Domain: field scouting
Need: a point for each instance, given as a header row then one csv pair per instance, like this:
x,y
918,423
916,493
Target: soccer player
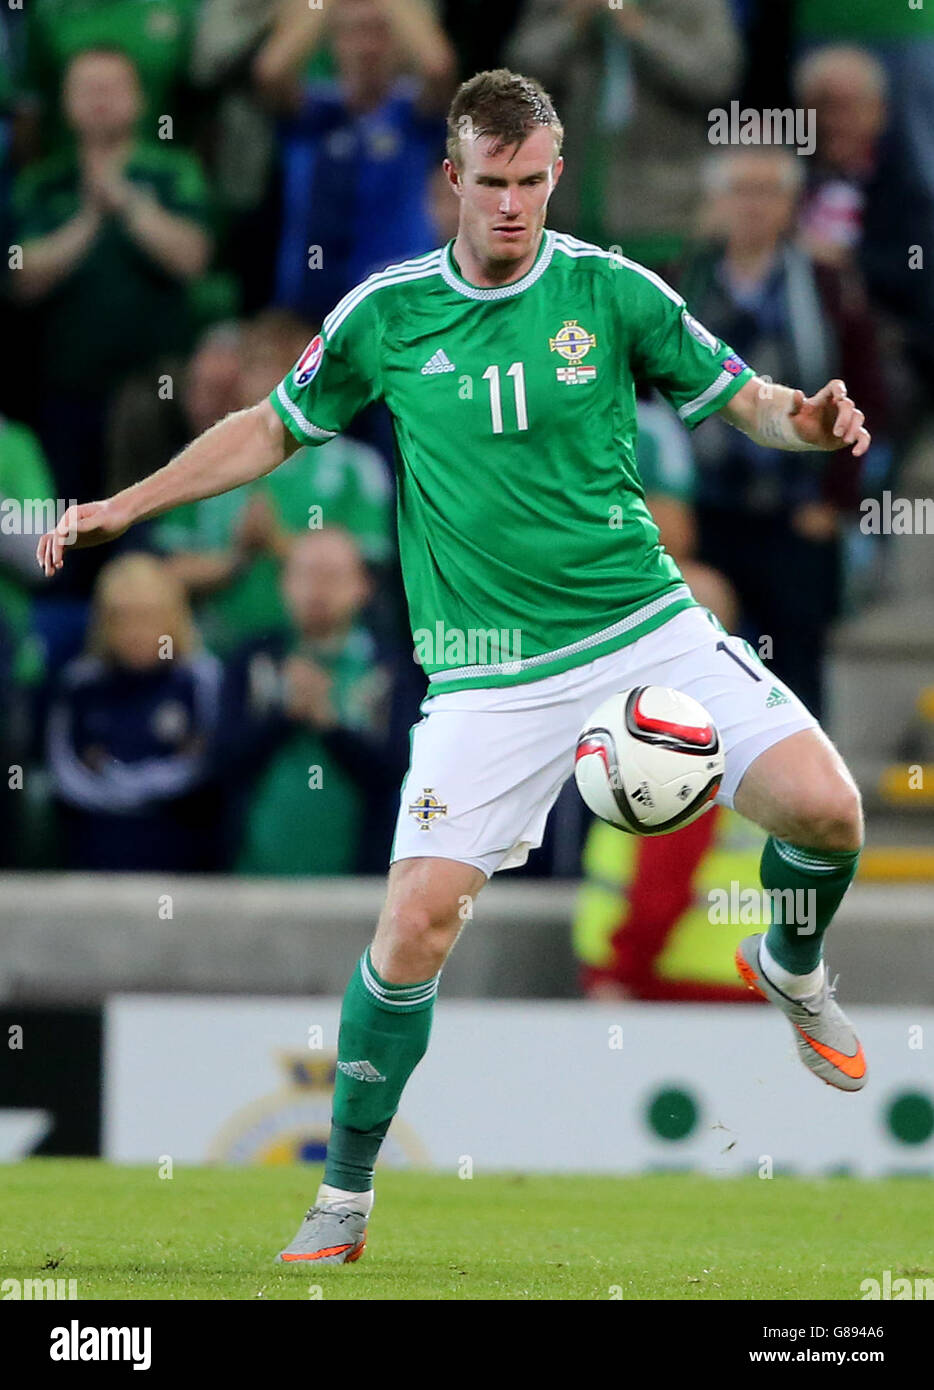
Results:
x,y
536,588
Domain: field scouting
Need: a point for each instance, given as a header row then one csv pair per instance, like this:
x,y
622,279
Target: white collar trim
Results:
x,y
452,278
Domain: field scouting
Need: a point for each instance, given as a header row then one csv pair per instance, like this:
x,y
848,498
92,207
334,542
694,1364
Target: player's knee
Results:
x,y
413,939
832,816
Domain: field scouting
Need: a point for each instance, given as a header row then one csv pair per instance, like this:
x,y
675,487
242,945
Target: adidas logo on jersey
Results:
x,y
440,362
776,697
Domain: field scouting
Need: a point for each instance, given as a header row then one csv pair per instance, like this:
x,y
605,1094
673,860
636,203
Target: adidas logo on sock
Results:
x,y
360,1071
776,697
439,362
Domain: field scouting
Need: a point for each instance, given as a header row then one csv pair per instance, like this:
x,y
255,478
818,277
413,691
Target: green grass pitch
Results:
x,y
211,1233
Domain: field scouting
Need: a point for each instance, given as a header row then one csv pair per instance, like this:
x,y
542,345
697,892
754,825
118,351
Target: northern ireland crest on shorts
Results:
x,y
426,808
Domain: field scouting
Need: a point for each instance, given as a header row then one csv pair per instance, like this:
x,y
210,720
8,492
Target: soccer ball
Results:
x,y
649,760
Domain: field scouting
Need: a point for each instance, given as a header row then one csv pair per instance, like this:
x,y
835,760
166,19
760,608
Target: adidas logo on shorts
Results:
x,y
776,697
440,362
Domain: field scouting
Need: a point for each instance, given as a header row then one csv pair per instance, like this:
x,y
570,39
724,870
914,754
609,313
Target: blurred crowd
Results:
x,y
186,188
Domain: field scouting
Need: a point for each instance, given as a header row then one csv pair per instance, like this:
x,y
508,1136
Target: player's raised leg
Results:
x,y
384,1030
800,791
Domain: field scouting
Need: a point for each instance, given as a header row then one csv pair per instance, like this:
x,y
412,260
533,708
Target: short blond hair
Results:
x,y
504,105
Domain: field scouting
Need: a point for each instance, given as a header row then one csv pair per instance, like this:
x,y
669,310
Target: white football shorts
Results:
x,y
487,764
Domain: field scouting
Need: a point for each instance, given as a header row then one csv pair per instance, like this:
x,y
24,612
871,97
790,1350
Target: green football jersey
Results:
x,y
525,541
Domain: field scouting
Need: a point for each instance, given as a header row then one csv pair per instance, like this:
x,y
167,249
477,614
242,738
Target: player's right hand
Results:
x,y
83,525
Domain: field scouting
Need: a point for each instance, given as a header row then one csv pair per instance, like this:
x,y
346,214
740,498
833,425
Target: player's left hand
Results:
x,y
80,525
829,420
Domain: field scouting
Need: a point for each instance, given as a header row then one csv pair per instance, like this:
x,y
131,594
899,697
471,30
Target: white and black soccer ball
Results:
x,y
649,760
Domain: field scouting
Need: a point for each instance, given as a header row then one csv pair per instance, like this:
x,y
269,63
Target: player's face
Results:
x,y
504,195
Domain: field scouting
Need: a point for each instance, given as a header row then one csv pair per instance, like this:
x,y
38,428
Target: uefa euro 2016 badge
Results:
x,y
573,343
309,362
426,808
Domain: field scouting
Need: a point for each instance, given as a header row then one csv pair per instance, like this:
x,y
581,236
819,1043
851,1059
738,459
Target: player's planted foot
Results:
x,y
825,1038
329,1236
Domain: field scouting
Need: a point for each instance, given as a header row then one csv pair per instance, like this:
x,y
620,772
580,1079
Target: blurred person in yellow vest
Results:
x,y
649,917
648,921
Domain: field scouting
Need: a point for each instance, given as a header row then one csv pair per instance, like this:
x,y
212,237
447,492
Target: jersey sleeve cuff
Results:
x,y
723,389
295,421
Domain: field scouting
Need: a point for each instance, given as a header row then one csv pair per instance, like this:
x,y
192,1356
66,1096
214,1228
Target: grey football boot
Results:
x,y
825,1038
328,1236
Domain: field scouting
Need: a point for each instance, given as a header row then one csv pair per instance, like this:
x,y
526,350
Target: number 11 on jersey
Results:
x,y
517,372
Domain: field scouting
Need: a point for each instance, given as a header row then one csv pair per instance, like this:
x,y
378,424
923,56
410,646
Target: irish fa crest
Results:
x,y
426,808
573,344
291,1125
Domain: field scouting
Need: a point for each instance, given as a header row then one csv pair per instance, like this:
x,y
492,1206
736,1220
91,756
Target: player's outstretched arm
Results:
x,y
238,449
779,417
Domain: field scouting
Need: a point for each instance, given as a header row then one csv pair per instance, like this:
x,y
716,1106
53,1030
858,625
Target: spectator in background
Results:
x,y
635,84
25,493
319,717
112,232
154,34
770,521
241,137
900,198
846,89
18,380
295,50
228,551
642,925
359,151
148,426
131,729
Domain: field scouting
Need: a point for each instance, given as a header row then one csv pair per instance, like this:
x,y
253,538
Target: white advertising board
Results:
x,y
536,1087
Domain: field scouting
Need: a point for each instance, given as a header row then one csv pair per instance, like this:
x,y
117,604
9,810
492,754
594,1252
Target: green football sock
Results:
x,y
383,1036
817,879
